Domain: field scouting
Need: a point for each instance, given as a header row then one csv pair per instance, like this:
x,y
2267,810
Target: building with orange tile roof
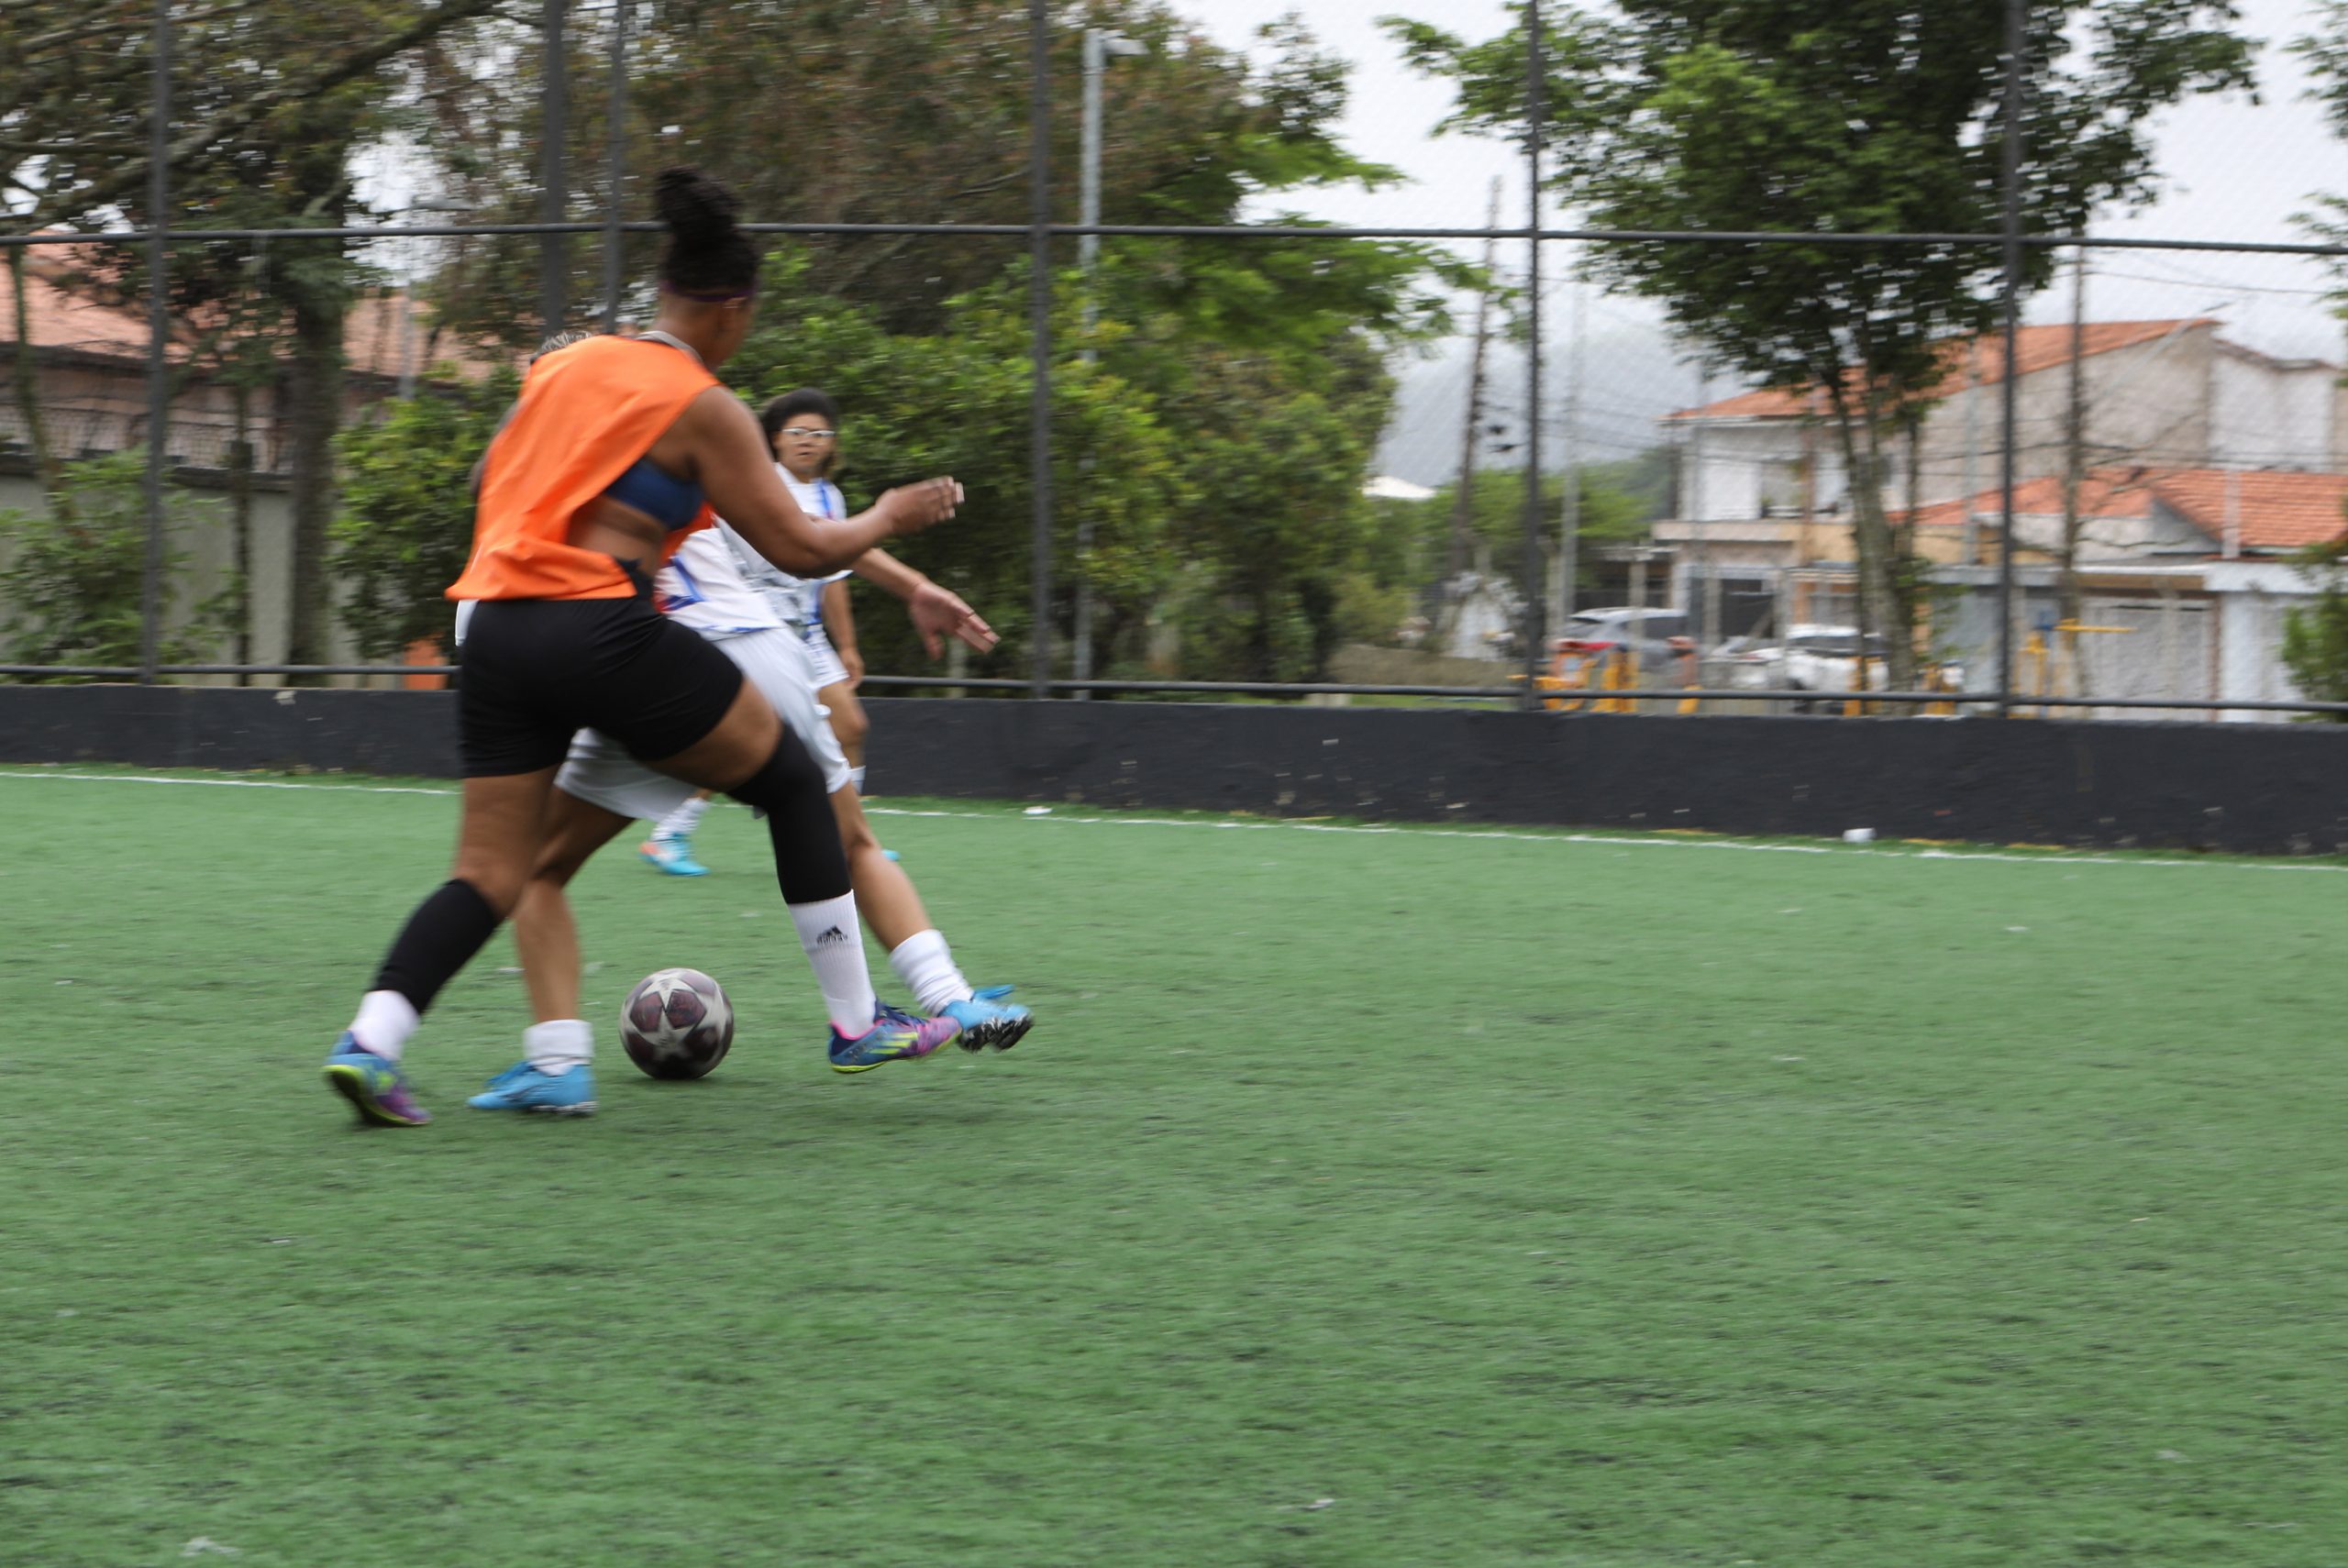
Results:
x,y
89,341
2207,463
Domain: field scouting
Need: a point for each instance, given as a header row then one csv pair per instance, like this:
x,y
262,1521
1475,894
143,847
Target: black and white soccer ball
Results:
x,y
676,1024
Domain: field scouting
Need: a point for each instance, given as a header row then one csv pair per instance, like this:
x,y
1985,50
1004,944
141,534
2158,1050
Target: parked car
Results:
x,y
1658,637
1812,658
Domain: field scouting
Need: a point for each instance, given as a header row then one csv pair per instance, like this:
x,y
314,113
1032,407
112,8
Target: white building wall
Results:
x,y
2254,600
2148,404
206,545
1730,472
2271,416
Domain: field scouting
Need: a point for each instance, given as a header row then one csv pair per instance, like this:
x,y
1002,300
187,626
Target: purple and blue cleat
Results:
x,y
373,1084
896,1035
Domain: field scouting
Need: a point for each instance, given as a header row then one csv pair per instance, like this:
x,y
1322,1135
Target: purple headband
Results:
x,y
709,296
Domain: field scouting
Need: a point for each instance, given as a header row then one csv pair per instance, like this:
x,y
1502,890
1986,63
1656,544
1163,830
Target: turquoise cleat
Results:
x,y
523,1087
672,855
896,1035
376,1087
987,1020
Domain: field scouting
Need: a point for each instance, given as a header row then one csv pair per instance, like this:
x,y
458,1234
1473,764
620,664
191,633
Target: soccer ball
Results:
x,y
677,1024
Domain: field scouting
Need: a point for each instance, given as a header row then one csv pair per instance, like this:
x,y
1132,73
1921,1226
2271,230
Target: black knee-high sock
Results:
x,y
439,939
808,859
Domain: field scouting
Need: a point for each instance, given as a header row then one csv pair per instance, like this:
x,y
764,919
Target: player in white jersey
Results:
x,y
802,430
601,789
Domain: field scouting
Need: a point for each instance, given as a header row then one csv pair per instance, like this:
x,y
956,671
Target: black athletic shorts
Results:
x,y
536,671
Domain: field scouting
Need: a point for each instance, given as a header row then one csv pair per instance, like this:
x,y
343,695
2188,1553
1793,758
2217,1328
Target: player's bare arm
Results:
x,y
729,452
937,613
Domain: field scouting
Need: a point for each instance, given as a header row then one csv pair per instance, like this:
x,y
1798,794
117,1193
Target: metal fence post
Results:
x,y
1039,333
158,321
616,165
2017,44
1535,616
555,197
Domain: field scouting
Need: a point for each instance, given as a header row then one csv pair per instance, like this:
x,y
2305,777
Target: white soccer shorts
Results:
x,y
600,773
823,659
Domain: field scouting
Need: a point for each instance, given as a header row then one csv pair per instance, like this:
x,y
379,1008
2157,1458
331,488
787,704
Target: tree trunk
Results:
x,y
2074,475
1908,588
1471,441
240,519
314,391
29,400
1860,431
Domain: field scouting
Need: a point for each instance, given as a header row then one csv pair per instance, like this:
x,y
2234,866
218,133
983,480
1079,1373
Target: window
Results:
x,y
1780,486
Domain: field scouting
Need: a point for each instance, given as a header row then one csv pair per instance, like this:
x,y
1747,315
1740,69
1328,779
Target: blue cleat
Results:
x,y
523,1087
672,855
896,1035
891,855
376,1087
987,1020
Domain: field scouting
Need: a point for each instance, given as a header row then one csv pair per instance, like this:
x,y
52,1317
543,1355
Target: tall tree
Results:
x,y
837,112
1852,115
832,111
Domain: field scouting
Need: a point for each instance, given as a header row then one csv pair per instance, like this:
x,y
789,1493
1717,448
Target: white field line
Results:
x,y
224,783
1224,824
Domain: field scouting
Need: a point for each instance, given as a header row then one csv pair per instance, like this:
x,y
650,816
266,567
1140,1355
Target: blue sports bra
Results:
x,y
657,493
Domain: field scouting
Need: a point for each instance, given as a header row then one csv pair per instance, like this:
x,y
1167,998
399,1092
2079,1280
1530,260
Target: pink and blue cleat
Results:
x,y
896,1035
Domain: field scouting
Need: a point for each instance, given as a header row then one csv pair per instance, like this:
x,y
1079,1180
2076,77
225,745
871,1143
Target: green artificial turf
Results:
x,y
1360,1198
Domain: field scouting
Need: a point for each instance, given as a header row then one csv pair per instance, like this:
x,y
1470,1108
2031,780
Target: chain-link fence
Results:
x,y
1240,415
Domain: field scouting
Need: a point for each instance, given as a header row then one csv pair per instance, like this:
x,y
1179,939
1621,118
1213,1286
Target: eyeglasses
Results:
x,y
808,435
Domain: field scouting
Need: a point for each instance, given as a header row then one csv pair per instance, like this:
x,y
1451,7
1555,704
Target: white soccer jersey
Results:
x,y
704,587
798,600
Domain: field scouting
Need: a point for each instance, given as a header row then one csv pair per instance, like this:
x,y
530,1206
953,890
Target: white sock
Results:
x,y
833,945
385,1021
856,777
680,822
925,966
558,1045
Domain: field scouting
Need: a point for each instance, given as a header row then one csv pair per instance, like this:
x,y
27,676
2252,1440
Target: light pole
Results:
x,y
1100,46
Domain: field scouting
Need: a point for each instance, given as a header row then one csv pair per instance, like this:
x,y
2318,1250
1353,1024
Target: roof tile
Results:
x,y
2035,348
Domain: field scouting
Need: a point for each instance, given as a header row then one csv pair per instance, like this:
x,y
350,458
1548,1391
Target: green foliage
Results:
x,y
1246,467
1277,455
957,403
837,112
2315,637
1613,510
72,584
406,522
1226,418
2325,50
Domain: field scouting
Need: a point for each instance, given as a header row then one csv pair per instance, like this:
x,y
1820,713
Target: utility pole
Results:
x,y
2074,446
1472,433
1567,575
554,250
1972,445
1100,46
2010,183
1709,627
615,166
